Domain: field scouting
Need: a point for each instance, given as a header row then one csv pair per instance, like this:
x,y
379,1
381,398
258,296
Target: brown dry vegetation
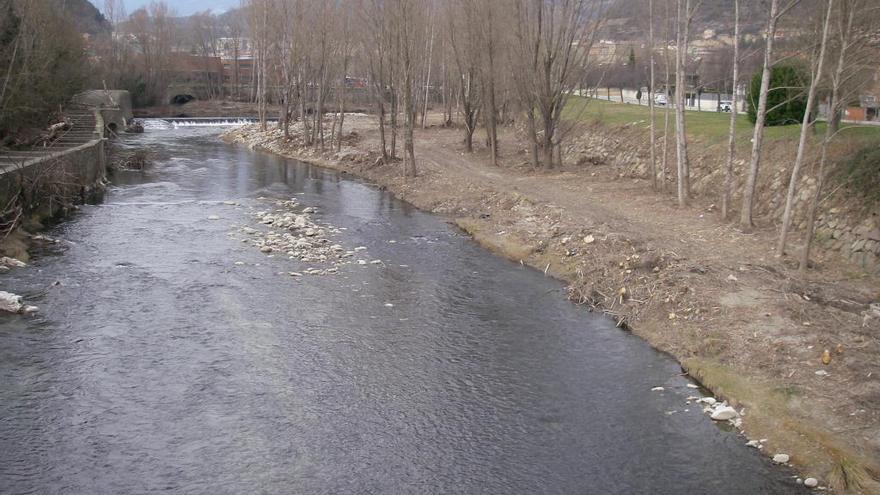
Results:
x,y
735,316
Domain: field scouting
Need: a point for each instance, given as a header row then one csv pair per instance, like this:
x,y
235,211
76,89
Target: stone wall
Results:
x,y
852,232
859,243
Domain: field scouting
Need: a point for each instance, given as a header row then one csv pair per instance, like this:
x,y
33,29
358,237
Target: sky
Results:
x,y
182,7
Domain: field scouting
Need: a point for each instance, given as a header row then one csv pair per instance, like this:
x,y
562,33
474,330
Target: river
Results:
x,y
172,357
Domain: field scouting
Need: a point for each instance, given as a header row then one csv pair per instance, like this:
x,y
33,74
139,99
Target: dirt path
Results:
x,y
717,299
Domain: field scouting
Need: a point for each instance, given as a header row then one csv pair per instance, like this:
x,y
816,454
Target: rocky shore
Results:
x,y
289,230
791,362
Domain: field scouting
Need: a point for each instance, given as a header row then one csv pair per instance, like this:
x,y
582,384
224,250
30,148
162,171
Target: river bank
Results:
x,y
185,329
716,299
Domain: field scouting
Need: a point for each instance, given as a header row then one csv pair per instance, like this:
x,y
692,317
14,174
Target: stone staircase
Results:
x,y
82,130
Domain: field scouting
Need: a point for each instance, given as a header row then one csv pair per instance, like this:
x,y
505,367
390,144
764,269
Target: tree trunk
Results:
x,y
834,107
731,141
533,135
805,129
681,153
651,94
381,106
746,222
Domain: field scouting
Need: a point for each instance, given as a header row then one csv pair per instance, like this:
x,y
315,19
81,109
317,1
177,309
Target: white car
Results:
x,y
725,106
660,99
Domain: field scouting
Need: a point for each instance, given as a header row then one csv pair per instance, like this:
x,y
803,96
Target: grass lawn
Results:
x,y
710,127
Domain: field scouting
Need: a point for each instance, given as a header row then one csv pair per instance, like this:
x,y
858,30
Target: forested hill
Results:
x,y
86,17
628,19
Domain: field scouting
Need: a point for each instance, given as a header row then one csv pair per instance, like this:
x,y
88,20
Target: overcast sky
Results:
x,y
182,7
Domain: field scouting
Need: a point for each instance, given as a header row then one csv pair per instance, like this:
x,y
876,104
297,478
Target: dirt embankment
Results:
x,y
736,317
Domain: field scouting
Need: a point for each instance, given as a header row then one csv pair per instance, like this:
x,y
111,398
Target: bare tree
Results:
x,y
344,54
553,41
684,15
380,50
651,94
490,37
852,38
407,18
773,17
204,26
464,41
261,37
807,124
664,166
42,62
734,110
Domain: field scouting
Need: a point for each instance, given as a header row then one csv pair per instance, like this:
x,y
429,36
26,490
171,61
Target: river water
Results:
x,y
159,364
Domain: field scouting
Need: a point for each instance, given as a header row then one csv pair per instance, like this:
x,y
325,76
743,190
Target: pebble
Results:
x,y
361,262
213,217
811,482
753,443
657,389
389,305
708,400
822,373
691,385
781,458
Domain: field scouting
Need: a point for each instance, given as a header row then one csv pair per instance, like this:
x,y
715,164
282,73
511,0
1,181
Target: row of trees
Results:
x,y
493,61
485,60
140,53
781,89
42,63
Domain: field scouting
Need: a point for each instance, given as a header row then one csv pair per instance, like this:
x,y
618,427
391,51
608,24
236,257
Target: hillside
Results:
x,y
86,16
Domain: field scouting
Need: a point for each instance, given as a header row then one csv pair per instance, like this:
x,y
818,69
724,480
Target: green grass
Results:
x,y
707,126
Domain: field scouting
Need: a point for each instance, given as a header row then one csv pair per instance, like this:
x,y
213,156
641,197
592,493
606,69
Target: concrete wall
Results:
x,y
49,186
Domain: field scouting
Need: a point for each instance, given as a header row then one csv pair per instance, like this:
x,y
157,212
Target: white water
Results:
x,y
212,123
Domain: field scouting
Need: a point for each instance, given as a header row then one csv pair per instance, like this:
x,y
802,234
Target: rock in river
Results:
x,y
724,413
10,302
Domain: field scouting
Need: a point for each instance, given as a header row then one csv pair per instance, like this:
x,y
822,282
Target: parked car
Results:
x,y
660,99
725,106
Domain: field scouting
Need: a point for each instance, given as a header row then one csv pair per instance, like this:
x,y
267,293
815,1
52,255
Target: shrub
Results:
x,y
786,100
860,174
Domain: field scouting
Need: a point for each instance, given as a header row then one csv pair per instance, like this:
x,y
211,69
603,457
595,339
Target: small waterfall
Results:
x,y
209,122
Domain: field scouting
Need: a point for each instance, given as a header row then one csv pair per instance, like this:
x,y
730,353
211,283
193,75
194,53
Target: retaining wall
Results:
x,y
48,186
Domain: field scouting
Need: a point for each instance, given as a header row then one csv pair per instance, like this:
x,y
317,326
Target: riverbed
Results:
x,y
169,355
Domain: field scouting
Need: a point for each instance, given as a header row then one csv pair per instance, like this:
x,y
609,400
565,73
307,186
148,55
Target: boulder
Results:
x,y
10,302
781,458
724,413
11,263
